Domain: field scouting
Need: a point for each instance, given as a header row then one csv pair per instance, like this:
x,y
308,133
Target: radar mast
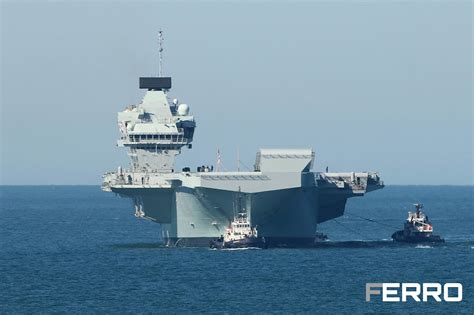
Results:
x,y
160,53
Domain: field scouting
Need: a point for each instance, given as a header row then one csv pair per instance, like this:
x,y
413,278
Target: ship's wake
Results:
x,y
239,249
423,246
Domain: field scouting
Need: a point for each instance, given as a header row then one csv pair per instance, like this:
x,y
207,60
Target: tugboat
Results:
x,y
240,233
320,237
417,229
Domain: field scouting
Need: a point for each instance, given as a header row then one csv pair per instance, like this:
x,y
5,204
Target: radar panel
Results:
x,y
155,83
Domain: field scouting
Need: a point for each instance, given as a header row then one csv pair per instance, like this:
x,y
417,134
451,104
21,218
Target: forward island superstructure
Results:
x,y
283,196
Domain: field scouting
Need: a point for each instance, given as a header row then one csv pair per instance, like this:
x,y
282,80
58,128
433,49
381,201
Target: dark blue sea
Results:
x,y
76,249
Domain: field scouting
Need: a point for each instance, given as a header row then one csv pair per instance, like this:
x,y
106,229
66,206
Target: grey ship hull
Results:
x,y
192,216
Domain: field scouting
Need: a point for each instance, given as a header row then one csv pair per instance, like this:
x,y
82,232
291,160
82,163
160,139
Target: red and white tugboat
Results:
x,y
417,229
239,234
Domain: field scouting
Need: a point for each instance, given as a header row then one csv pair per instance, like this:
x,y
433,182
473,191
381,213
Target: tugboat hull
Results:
x,y
242,243
400,236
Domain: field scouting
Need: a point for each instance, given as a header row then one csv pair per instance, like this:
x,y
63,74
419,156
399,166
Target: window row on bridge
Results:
x,y
137,138
156,148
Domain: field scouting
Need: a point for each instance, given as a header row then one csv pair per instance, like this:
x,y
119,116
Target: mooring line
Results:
x,y
352,230
372,220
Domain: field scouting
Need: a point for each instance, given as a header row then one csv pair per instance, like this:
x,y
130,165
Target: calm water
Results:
x,y
77,249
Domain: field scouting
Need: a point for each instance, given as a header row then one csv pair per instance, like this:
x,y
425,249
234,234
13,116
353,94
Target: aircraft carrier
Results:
x,y
285,199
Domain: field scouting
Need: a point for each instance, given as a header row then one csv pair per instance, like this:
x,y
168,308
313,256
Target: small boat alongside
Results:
x,y
239,234
320,237
417,229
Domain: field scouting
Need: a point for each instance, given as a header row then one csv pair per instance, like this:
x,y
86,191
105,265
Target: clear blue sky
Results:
x,y
383,86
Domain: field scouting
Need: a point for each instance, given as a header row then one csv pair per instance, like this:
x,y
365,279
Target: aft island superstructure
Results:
x,y
282,195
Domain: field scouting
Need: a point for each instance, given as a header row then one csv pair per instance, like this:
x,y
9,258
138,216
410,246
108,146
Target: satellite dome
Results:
x,y
183,109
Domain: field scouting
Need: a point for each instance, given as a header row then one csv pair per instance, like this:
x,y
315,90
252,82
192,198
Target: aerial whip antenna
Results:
x,y
238,159
160,43
219,161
